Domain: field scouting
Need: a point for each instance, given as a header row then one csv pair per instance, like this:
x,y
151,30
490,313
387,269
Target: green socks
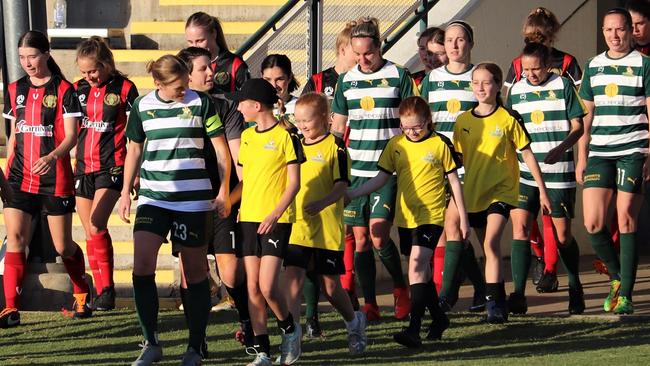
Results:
x,y
453,254
145,295
629,261
520,263
364,266
311,293
570,255
471,268
389,256
604,248
199,305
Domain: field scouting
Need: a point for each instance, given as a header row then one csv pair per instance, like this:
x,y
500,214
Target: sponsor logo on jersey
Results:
x,y
537,117
38,130
611,90
367,103
453,105
116,170
221,78
49,101
99,126
111,99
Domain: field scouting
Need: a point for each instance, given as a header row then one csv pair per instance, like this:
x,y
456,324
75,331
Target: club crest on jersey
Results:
x,y
186,114
111,99
270,145
318,157
20,100
498,132
37,130
221,78
628,71
49,101
551,95
383,83
429,158
82,99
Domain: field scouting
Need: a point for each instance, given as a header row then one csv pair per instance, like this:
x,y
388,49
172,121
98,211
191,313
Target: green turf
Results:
x,y
112,339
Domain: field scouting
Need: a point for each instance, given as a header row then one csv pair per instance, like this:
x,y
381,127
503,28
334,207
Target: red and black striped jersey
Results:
x,y
102,143
38,114
561,63
644,49
322,82
230,73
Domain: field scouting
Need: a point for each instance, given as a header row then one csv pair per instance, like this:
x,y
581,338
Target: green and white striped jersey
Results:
x,y
448,95
371,102
618,88
173,174
547,110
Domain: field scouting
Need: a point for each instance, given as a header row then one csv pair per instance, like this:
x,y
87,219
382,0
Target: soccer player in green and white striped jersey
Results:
x,y
448,91
167,131
367,99
552,112
613,153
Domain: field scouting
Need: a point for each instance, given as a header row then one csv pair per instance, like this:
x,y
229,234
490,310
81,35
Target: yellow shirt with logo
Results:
x,y
264,156
421,167
326,163
489,147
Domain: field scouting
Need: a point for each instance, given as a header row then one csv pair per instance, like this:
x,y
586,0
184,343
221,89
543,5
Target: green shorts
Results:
x,y
562,201
377,205
624,173
188,229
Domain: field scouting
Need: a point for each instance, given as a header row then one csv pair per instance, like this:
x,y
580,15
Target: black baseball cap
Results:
x,y
258,90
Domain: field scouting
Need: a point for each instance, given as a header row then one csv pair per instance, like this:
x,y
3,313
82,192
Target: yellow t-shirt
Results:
x,y
489,148
264,156
327,162
421,167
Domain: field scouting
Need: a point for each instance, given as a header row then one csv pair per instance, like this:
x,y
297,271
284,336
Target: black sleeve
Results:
x,y
456,156
297,147
131,96
232,119
241,75
309,87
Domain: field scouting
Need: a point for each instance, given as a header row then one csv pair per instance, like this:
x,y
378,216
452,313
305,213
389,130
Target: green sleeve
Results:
x,y
424,88
134,130
574,106
585,92
406,84
340,104
211,120
646,75
508,101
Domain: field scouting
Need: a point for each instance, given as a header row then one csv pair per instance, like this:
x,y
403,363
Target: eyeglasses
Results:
x,y
413,129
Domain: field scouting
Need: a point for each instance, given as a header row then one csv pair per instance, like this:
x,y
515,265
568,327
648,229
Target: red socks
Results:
x,y
92,263
616,234
13,277
103,248
76,268
550,245
347,280
536,241
438,266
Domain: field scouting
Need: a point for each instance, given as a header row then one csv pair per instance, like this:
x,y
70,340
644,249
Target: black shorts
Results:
x,y
188,229
479,219
227,234
325,262
273,244
424,236
35,204
85,185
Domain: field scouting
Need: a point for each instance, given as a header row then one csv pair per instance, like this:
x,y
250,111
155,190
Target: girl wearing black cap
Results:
x,y
270,158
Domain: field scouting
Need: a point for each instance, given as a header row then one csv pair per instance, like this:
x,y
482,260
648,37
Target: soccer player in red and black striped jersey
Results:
x,y
640,12
230,70
106,96
44,111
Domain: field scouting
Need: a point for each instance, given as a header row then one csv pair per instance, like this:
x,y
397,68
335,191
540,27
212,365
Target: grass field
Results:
x,y
112,339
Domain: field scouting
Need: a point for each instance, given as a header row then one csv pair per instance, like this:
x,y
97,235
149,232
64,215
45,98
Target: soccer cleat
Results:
x,y
402,303
245,334
576,300
371,311
437,328
517,303
81,307
9,317
538,269
357,339
191,358
106,299
548,283
204,352
408,339
600,267
495,313
290,347
226,303
150,353
261,359
354,300
444,304
624,306
612,298
478,303
313,328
